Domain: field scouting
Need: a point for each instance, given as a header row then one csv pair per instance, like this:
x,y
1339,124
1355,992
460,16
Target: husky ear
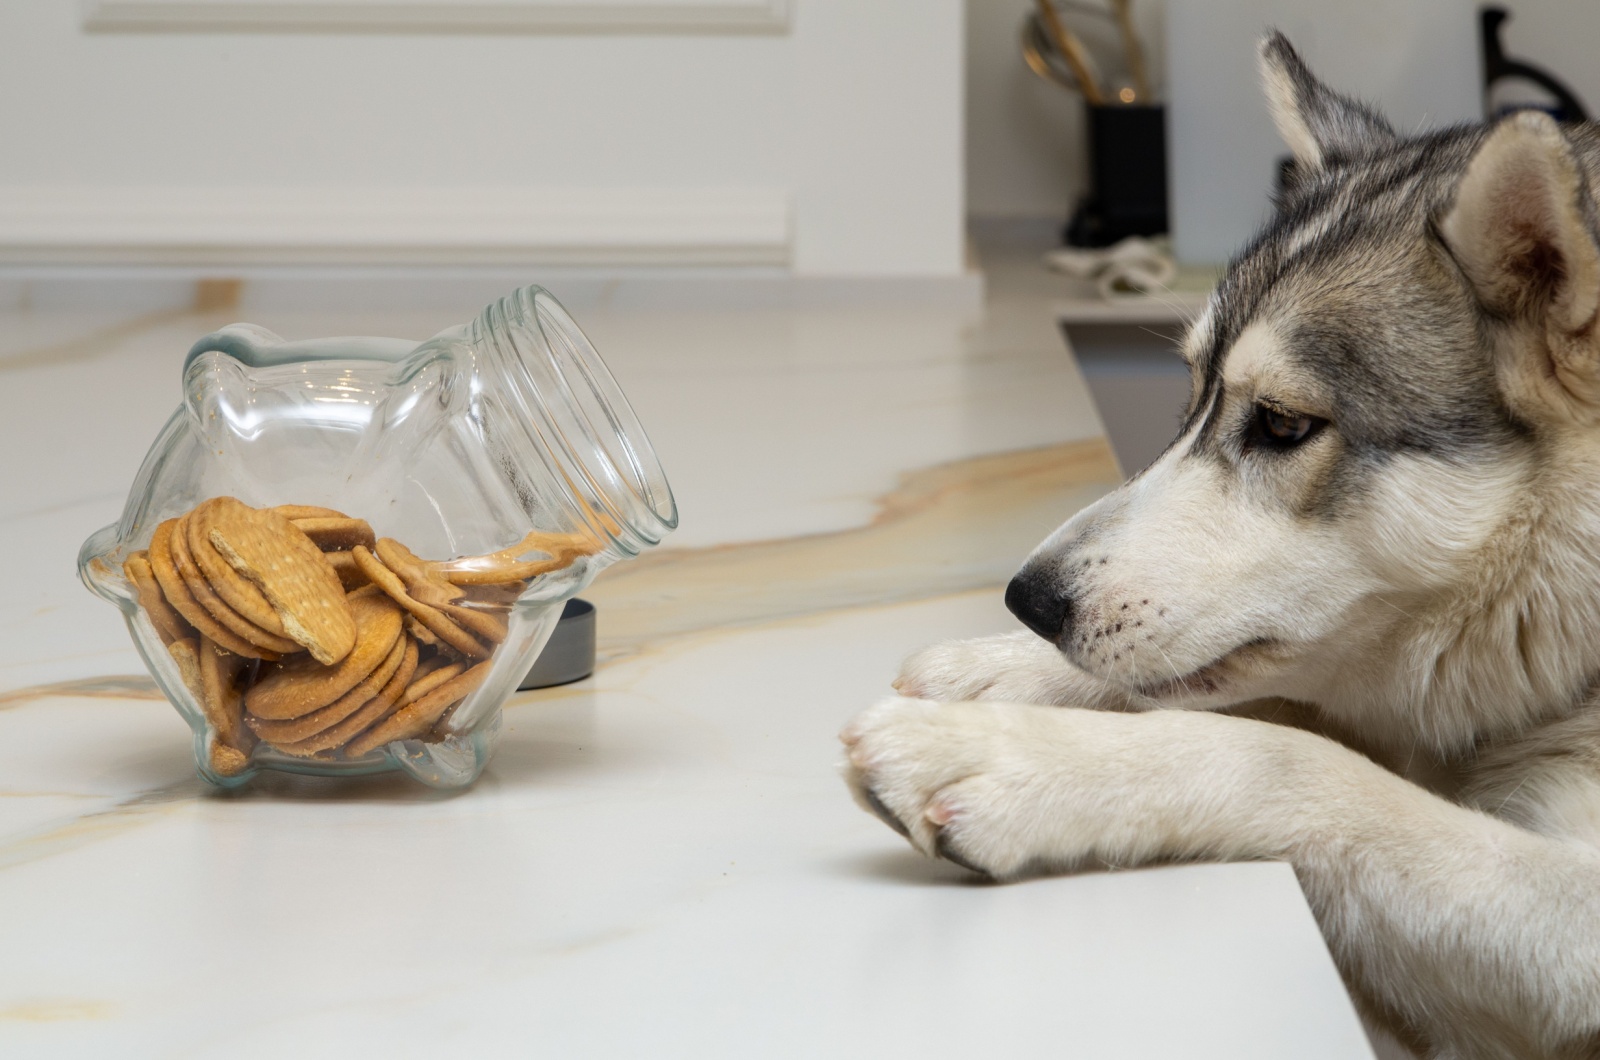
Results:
x,y
1316,122
1522,229
1522,226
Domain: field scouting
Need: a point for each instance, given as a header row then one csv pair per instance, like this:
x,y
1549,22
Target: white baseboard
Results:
x,y
437,16
242,227
463,290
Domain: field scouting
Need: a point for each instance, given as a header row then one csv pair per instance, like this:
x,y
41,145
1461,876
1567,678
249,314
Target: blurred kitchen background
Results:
x,y
266,154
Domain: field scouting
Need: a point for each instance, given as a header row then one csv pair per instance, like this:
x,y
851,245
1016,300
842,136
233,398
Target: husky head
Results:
x,y
1384,496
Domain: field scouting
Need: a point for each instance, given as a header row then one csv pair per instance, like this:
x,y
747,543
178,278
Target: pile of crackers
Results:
x,y
297,627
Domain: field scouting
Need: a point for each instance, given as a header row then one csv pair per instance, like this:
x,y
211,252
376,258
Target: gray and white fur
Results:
x,y
1351,617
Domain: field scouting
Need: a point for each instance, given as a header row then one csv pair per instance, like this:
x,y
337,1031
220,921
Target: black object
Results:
x,y
569,654
1498,66
1128,176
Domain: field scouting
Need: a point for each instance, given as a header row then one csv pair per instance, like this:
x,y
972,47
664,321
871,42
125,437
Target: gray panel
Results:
x,y
1417,60
1139,384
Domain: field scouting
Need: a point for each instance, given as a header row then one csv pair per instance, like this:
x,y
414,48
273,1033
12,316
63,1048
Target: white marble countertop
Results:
x,y
660,861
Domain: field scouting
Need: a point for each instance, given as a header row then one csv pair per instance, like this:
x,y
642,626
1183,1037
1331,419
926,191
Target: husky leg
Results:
x,y
1478,936
1015,667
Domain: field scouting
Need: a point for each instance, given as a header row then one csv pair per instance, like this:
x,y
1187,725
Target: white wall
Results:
x,y
825,140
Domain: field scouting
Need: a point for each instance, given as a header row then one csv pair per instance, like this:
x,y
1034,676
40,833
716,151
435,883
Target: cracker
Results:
x,y
377,708
421,582
430,676
351,576
436,621
292,573
301,685
227,761
203,589
308,511
178,595
421,633
169,624
190,541
418,715
292,730
502,596
481,622
336,535
186,654
427,587
210,675
499,568
219,675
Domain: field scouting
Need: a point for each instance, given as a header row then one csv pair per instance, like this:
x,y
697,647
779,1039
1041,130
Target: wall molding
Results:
x,y
47,225
437,16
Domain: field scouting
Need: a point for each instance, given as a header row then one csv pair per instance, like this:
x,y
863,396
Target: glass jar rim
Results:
x,y
609,466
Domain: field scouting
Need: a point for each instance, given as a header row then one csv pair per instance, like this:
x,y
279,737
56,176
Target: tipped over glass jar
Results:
x,y
341,555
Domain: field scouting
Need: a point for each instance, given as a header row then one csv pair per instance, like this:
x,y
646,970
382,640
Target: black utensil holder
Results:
x,y
1127,176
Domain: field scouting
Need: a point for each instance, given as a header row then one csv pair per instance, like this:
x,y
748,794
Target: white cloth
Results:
x,y
1134,268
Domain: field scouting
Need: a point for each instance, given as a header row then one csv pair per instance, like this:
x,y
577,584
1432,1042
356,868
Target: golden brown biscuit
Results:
x,y
197,558
300,685
227,761
204,591
209,673
224,703
308,725
351,576
427,587
416,716
424,585
169,624
422,634
336,535
481,621
377,708
291,572
186,653
178,595
441,625
503,595
308,511
430,675
499,568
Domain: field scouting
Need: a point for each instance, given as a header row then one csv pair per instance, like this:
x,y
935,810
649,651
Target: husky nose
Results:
x,y
1033,597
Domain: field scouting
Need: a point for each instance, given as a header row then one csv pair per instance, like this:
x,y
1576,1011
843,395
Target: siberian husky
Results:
x,y
1379,523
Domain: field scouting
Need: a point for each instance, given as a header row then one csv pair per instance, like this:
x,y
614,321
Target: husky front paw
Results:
x,y
963,781
1007,788
1011,668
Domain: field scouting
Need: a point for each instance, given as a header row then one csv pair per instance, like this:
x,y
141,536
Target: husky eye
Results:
x,y
1276,429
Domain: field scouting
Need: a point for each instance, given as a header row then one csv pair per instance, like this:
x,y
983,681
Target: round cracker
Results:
x,y
437,621
301,685
499,568
227,584
291,572
421,582
204,592
222,700
178,595
306,726
374,710
351,576
308,511
169,624
336,534
417,716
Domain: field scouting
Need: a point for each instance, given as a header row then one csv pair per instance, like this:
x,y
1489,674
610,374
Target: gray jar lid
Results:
x,y
569,654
